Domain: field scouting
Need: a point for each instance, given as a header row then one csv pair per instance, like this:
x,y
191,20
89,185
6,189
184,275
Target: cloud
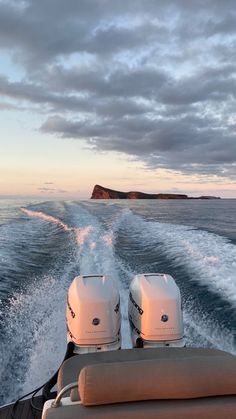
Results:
x,y
51,190
174,144
152,79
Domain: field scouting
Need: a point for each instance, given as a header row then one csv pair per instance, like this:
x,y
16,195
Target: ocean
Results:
x,y
44,245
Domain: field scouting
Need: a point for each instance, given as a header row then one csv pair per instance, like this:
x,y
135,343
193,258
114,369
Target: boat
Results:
x,y
159,377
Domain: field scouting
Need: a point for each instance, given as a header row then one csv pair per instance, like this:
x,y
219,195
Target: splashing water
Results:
x,y
210,258
108,239
46,217
80,233
34,326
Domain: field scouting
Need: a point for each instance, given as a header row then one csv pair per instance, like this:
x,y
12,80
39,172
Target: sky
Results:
x,y
132,95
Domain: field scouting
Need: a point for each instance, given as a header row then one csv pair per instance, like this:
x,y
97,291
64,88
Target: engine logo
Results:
x,y
164,318
96,321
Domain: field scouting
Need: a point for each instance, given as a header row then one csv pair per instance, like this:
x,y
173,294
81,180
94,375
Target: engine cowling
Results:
x,y
155,312
93,314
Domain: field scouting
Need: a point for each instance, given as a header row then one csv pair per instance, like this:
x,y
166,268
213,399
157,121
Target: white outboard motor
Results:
x,y
93,314
155,313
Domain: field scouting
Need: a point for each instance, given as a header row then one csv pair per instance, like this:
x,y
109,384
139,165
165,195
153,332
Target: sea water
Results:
x,y
44,245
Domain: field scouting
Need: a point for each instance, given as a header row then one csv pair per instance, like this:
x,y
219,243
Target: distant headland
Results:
x,y
100,192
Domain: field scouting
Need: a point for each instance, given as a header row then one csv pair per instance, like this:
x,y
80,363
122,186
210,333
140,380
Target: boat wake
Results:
x,y
33,321
211,259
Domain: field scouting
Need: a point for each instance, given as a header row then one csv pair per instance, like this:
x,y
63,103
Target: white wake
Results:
x,y
36,319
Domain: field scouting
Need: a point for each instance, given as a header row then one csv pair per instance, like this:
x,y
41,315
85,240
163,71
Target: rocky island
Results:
x,y
100,192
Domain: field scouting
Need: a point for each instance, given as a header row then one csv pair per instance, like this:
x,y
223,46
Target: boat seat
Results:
x,y
164,387
71,368
222,407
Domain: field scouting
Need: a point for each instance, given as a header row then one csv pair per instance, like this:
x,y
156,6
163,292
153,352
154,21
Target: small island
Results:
x,y
100,192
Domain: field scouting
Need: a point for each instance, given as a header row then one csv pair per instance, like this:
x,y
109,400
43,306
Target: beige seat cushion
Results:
x,y
178,378
71,368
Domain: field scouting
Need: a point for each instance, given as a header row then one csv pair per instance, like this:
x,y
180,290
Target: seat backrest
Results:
x,y
71,368
155,379
173,387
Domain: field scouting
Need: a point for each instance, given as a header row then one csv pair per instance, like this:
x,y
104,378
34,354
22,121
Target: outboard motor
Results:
x,y
93,314
155,313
